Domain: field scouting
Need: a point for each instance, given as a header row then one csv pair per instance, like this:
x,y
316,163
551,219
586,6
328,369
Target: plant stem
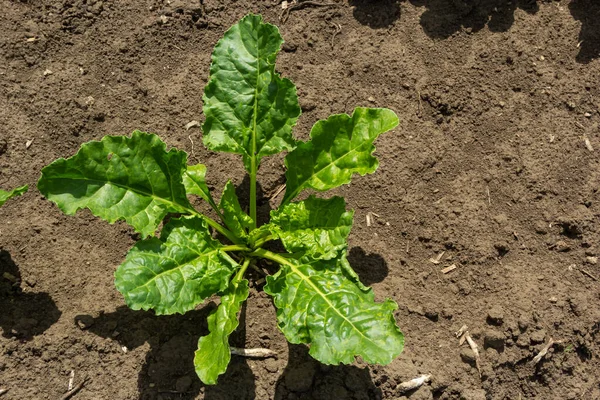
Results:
x,y
269,255
253,191
263,240
219,228
235,247
241,271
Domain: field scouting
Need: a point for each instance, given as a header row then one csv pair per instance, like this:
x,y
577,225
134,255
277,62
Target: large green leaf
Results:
x,y
177,272
5,196
213,354
249,109
318,303
194,180
340,146
318,227
234,217
131,178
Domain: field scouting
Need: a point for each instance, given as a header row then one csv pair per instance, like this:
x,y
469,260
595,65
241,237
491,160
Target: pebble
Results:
x,y
272,365
523,341
431,313
467,356
591,260
538,336
541,228
422,393
183,384
523,324
562,246
495,316
473,394
494,339
84,321
501,219
416,310
300,379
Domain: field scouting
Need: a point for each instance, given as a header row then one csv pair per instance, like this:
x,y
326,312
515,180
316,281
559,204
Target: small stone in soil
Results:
x,y
422,393
431,313
300,379
183,384
494,339
495,316
272,365
523,324
538,336
591,260
562,246
541,228
467,356
473,394
84,321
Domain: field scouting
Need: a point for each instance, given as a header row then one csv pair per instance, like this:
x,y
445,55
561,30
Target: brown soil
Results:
x,y
489,166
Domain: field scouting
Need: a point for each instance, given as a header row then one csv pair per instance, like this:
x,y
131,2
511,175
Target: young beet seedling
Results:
x,y
250,110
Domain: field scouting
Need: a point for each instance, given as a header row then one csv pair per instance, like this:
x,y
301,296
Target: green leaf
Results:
x,y
249,109
5,196
131,178
213,354
177,272
194,180
234,217
318,227
318,303
340,146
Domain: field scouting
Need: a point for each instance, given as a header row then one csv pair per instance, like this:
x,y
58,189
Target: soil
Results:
x,y
494,169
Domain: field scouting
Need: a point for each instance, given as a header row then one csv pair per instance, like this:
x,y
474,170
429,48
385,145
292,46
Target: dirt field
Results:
x,y
494,169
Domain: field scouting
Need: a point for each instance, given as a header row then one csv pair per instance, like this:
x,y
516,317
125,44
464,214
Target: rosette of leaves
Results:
x,y
250,110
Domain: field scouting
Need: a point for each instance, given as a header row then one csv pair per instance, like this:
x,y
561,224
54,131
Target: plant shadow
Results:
x,y
305,378
371,268
376,14
22,315
443,18
588,12
168,371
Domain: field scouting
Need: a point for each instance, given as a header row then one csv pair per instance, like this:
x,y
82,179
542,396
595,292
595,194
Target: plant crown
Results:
x,y
250,110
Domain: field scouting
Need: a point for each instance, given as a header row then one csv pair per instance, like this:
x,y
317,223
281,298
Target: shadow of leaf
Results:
x,y
588,12
168,371
306,378
371,268
22,315
443,18
376,13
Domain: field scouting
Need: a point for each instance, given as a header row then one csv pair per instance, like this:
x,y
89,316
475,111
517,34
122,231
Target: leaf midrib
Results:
x,y
354,150
135,190
319,292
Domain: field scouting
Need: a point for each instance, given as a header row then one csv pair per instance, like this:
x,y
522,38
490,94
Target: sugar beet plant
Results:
x,y
250,110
